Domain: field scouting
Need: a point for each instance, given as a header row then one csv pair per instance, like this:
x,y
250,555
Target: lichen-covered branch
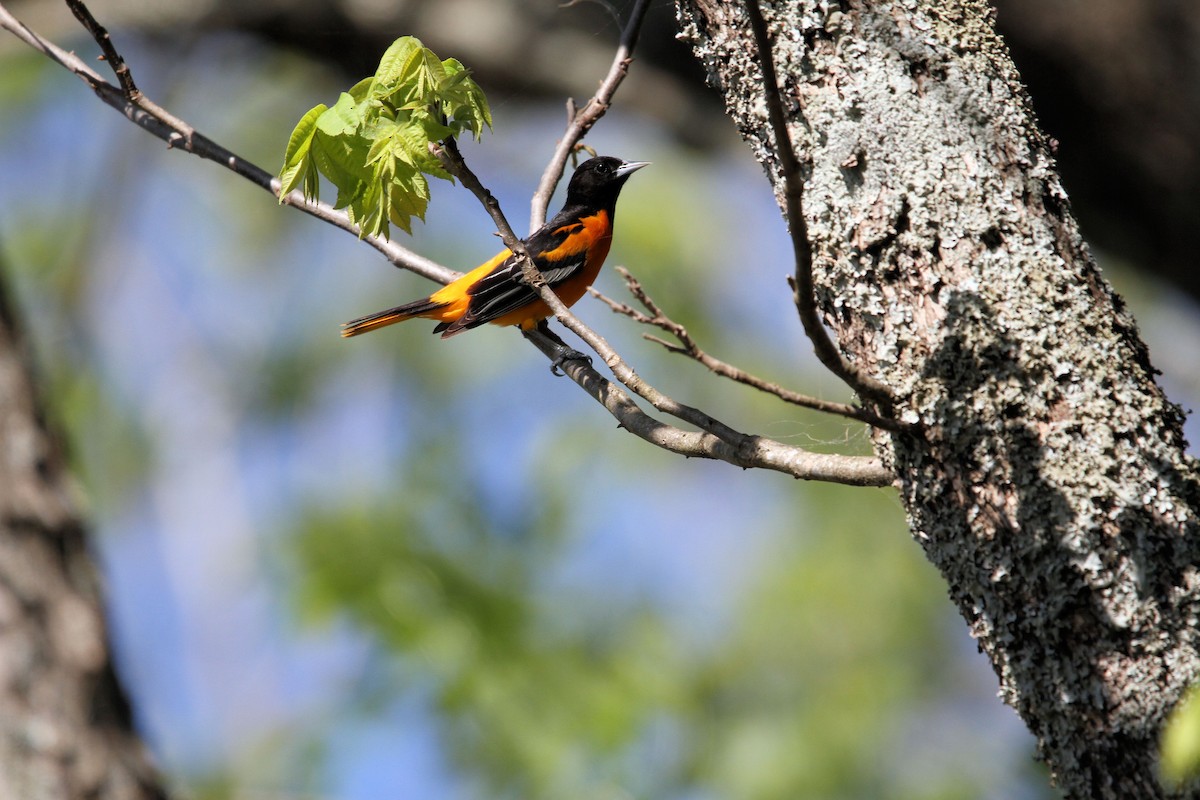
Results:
x,y
1051,485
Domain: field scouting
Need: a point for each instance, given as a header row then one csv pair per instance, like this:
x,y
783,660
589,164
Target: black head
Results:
x,y
598,181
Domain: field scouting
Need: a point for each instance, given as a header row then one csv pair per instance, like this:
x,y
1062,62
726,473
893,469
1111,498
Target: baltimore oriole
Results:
x,y
568,250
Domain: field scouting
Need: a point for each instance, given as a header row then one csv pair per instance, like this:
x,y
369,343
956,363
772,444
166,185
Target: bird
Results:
x,y
568,251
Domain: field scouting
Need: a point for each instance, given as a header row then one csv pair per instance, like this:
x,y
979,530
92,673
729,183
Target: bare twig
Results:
x,y
125,77
714,440
174,131
789,170
581,121
448,153
626,374
744,450
114,59
687,346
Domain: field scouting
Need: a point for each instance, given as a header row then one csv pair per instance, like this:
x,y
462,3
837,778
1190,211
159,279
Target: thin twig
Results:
x,y
448,153
581,121
174,131
744,451
714,440
125,77
114,59
789,170
688,347
628,376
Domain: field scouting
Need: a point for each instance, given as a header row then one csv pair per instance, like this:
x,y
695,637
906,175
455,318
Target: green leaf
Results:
x,y
343,161
392,63
373,143
344,118
423,73
298,167
408,197
303,175
361,91
290,178
1180,760
302,135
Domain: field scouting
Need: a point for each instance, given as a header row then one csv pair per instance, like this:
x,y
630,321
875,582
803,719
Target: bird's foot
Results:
x,y
567,354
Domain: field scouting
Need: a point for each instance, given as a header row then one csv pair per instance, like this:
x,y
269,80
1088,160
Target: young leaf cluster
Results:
x,y
373,144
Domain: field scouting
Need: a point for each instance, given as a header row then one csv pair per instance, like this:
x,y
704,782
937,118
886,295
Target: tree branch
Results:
x,y
448,153
715,440
687,346
742,450
114,59
581,121
153,119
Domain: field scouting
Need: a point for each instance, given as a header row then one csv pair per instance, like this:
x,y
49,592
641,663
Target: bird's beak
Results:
x,y
629,167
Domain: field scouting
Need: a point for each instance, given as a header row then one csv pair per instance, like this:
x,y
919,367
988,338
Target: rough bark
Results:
x,y
1049,484
65,726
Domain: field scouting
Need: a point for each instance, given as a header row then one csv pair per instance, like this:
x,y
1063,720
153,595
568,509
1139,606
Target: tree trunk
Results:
x,y
65,726
1049,482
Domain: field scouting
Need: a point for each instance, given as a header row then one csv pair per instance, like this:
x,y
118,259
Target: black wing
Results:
x,y
504,289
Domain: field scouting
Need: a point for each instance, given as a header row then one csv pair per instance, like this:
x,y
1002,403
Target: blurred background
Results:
x,y
397,567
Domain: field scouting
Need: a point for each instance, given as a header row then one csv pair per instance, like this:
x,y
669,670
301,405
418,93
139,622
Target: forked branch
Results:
x,y
687,346
140,110
713,440
582,120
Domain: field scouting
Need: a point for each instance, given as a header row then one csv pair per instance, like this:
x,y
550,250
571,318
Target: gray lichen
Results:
x,y
1051,485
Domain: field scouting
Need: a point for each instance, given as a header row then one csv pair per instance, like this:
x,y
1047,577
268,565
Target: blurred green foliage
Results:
x,y
1181,742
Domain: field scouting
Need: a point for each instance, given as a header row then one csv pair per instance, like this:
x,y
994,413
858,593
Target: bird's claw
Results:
x,y
568,354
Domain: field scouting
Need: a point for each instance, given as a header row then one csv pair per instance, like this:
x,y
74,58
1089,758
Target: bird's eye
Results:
x,y
603,169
